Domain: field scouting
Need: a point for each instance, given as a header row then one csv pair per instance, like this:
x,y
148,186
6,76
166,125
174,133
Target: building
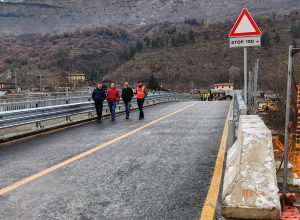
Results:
x,y
224,86
77,77
6,86
222,91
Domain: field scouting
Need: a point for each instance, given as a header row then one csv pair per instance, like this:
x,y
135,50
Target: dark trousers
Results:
x,y
99,108
127,104
140,103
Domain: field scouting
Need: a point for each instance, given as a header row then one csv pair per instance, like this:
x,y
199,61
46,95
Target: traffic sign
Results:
x,y
245,33
245,41
245,26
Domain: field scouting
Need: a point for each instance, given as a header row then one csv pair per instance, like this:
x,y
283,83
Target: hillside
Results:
x,y
180,55
93,52
181,64
30,16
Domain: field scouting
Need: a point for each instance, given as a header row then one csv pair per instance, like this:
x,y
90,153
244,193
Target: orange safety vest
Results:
x,y
140,92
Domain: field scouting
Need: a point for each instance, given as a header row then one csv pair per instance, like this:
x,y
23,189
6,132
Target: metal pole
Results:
x,y
40,82
16,80
250,88
287,122
255,82
245,75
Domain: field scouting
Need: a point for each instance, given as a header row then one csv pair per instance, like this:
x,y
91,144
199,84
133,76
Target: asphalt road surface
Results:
x,y
160,171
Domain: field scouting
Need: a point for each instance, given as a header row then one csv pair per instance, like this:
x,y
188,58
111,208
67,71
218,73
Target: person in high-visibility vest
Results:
x,y
141,93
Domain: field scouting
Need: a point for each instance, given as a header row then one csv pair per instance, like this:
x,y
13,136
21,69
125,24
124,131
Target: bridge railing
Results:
x,y
42,103
12,105
36,117
237,108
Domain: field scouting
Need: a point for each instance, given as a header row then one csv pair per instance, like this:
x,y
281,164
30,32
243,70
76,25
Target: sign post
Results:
x,y
245,33
245,76
292,52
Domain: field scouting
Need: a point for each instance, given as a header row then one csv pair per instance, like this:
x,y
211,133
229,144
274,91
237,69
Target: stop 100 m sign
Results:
x,y
245,32
245,41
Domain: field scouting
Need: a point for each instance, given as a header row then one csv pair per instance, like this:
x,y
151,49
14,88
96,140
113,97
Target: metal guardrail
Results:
x,y
237,108
42,103
20,97
38,115
47,101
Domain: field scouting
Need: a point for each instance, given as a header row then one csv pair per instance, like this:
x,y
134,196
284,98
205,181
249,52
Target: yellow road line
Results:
x,y
209,208
84,154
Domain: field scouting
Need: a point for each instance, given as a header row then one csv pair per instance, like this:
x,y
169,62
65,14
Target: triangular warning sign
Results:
x,y
245,26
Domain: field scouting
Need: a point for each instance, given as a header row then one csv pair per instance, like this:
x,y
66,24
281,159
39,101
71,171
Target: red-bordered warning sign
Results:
x,y
245,26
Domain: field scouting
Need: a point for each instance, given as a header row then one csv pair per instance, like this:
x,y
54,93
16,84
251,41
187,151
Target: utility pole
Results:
x,y
245,76
255,82
16,80
40,82
74,85
250,89
292,52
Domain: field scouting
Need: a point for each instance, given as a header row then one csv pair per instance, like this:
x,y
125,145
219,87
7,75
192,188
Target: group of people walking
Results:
x,y
112,95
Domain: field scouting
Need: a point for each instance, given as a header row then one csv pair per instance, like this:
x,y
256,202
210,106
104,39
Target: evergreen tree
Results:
x,y
191,36
174,40
295,31
206,36
139,46
266,40
153,83
147,41
277,38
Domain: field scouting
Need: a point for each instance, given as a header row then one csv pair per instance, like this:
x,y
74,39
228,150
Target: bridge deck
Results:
x,y
160,171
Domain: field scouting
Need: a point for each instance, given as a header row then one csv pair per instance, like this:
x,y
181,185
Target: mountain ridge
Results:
x,y
31,16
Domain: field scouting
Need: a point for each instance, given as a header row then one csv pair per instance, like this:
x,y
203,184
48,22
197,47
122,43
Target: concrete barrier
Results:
x,y
250,188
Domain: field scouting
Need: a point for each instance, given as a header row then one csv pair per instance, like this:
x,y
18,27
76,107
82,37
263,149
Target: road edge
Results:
x,y
210,205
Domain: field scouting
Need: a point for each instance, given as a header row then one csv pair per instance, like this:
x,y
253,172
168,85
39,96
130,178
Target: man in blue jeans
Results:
x,y
127,94
113,97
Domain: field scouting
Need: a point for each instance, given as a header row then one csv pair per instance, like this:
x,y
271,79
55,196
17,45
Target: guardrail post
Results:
x,y
68,118
39,125
91,115
231,126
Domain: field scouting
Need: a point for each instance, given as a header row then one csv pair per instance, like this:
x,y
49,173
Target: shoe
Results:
x,y
113,119
140,118
99,120
127,117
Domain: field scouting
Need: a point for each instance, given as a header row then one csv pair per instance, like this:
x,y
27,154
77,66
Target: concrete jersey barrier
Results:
x,y
250,187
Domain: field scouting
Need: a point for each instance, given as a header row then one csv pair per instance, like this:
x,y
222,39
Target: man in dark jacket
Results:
x,y
127,94
99,96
